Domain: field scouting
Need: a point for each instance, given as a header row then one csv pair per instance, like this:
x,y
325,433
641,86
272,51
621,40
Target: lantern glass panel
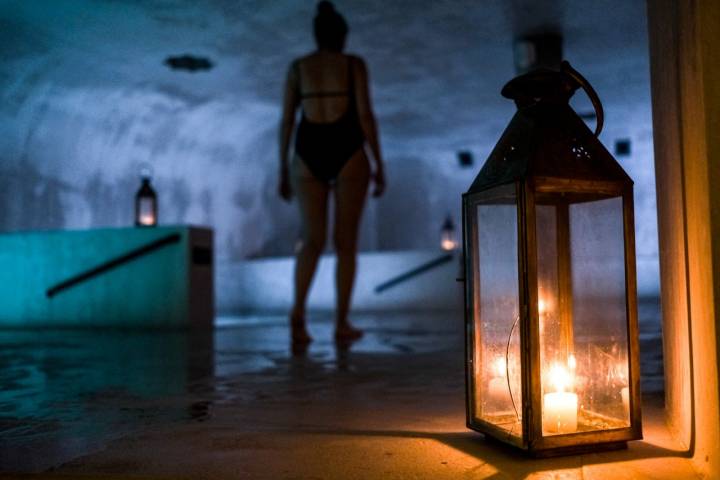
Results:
x,y
496,364
146,211
582,314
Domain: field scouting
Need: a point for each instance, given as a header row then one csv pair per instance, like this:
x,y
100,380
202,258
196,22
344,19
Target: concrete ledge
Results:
x,y
171,285
267,284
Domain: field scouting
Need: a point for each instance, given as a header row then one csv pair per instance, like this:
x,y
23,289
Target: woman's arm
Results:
x,y
367,121
287,123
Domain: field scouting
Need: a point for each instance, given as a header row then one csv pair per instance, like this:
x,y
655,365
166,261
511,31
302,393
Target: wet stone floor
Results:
x,y
237,402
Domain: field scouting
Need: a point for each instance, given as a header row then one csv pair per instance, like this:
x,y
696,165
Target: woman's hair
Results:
x,y
330,27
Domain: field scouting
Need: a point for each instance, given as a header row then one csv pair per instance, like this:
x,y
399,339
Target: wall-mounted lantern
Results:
x,y
146,206
448,242
550,291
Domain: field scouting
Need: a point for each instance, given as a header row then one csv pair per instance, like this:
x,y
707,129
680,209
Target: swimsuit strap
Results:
x,y
323,94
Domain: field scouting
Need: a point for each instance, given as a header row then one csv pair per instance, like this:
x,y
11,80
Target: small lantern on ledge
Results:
x,y
550,290
447,235
146,206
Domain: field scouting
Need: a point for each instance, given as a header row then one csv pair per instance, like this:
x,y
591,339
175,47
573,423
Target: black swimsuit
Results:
x,y
326,147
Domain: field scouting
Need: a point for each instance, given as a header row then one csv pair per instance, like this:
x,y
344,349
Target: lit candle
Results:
x,y
448,244
146,218
560,407
447,238
560,412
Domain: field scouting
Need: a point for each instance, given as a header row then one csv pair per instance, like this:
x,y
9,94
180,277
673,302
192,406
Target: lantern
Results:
x,y
447,235
550,290
146,208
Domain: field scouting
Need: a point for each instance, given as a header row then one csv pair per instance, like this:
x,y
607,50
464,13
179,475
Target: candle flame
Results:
x,y
499,367
147,219
448,244
559,377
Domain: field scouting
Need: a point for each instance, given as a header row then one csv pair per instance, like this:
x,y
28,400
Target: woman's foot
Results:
x,y
347,333
298,332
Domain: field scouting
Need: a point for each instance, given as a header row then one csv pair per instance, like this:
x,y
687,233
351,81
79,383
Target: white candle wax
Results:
x,y
625,393
560,412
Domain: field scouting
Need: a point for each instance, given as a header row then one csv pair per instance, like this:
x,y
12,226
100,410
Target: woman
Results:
x,y
337,123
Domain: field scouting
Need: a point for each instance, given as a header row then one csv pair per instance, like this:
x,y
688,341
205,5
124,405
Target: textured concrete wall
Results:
x,y
85,100
686,110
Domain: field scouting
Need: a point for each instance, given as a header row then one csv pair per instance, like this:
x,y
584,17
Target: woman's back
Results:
x,y
324,84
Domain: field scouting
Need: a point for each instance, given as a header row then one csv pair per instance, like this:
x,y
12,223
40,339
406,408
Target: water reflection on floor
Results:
x,y
65,394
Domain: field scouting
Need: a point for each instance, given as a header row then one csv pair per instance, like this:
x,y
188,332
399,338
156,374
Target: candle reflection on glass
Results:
x,y
572,363
498,387
625,393
542,306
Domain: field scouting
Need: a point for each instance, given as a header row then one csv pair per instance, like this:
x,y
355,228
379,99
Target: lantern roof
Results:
x,y
546,138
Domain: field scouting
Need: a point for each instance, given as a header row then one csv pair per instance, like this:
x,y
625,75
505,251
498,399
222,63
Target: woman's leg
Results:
x,y
350,193
312,196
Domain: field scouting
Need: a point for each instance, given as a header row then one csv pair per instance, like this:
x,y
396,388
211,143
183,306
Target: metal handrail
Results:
x,y
111,264
403,277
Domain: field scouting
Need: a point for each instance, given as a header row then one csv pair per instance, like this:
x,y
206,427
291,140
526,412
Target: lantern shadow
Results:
x,y
509,461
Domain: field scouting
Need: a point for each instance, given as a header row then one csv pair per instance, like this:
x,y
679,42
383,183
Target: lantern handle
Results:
x,y
590,91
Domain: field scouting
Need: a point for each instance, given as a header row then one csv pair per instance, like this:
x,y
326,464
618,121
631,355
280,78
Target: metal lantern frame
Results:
x,y
524,170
